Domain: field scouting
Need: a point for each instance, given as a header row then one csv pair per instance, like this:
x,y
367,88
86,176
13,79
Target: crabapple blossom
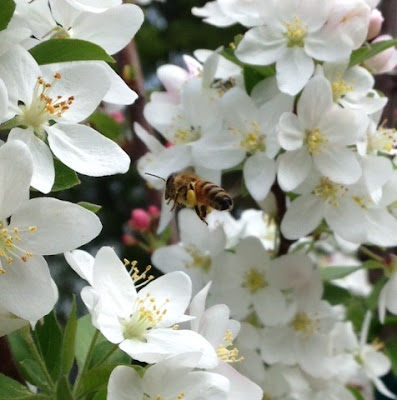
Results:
x,y
294,34
174,377
194,254
319,135
249,136
349,210
111,29
143,323
216,326
30,229
66,97
352,88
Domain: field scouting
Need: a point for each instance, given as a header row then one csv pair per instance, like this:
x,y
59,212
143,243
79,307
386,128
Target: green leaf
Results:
x,y
13,390
65,178
23,355
102,395
84,334
61,50
391,351
335,294
363,53
19,347
69,338
49,338
337,272
251,78
7,11
372,300
106,125
228,53
95,379
34,374
103,348
90,206
63,390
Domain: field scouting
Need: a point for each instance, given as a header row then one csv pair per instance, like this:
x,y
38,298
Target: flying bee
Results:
x,y
187,189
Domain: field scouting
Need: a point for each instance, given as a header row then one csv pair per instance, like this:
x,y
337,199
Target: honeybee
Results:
x,y
187,189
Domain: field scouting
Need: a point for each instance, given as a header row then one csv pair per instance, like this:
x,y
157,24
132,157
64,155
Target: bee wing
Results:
x,y
166,215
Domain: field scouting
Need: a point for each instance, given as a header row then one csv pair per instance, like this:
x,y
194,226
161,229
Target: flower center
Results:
x,y
316,141
384,140
179,396
253,141
200,260
44,107
225,352
147,315
254,280
295,33
9,249
340,88
329,191
304,325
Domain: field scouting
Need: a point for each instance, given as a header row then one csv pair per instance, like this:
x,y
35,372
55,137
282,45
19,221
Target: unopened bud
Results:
x,y
375,24
384,61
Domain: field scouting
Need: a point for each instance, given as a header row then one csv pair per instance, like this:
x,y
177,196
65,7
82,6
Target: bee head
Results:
x,y
169,186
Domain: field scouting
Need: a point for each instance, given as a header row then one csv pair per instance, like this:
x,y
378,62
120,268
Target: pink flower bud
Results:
x,y
140,219
375,24
384,61
118,116
129,240
153,211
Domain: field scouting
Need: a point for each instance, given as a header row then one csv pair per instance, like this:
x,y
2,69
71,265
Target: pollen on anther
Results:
x,y
57,75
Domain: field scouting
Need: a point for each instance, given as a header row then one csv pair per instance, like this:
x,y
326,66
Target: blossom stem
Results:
x,y
371,254
38,358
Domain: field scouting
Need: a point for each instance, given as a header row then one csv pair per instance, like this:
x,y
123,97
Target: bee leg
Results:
x,y
202,213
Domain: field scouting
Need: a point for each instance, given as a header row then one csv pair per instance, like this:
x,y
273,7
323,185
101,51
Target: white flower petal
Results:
x,y
163,343
19,71
112,29
293,168
119,92
315,101
259,173
290,131
15,175
294,70
261,45
124,384
302,216
61,226
87,151
26,289
82,263
43,163
86,82
339,164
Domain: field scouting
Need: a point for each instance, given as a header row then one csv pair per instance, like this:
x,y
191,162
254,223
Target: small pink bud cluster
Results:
x,y
142,226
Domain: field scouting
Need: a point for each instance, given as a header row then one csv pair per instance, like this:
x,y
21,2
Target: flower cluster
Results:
x,y
292,107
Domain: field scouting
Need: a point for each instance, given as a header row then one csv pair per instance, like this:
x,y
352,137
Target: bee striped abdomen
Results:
x,y
213,195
